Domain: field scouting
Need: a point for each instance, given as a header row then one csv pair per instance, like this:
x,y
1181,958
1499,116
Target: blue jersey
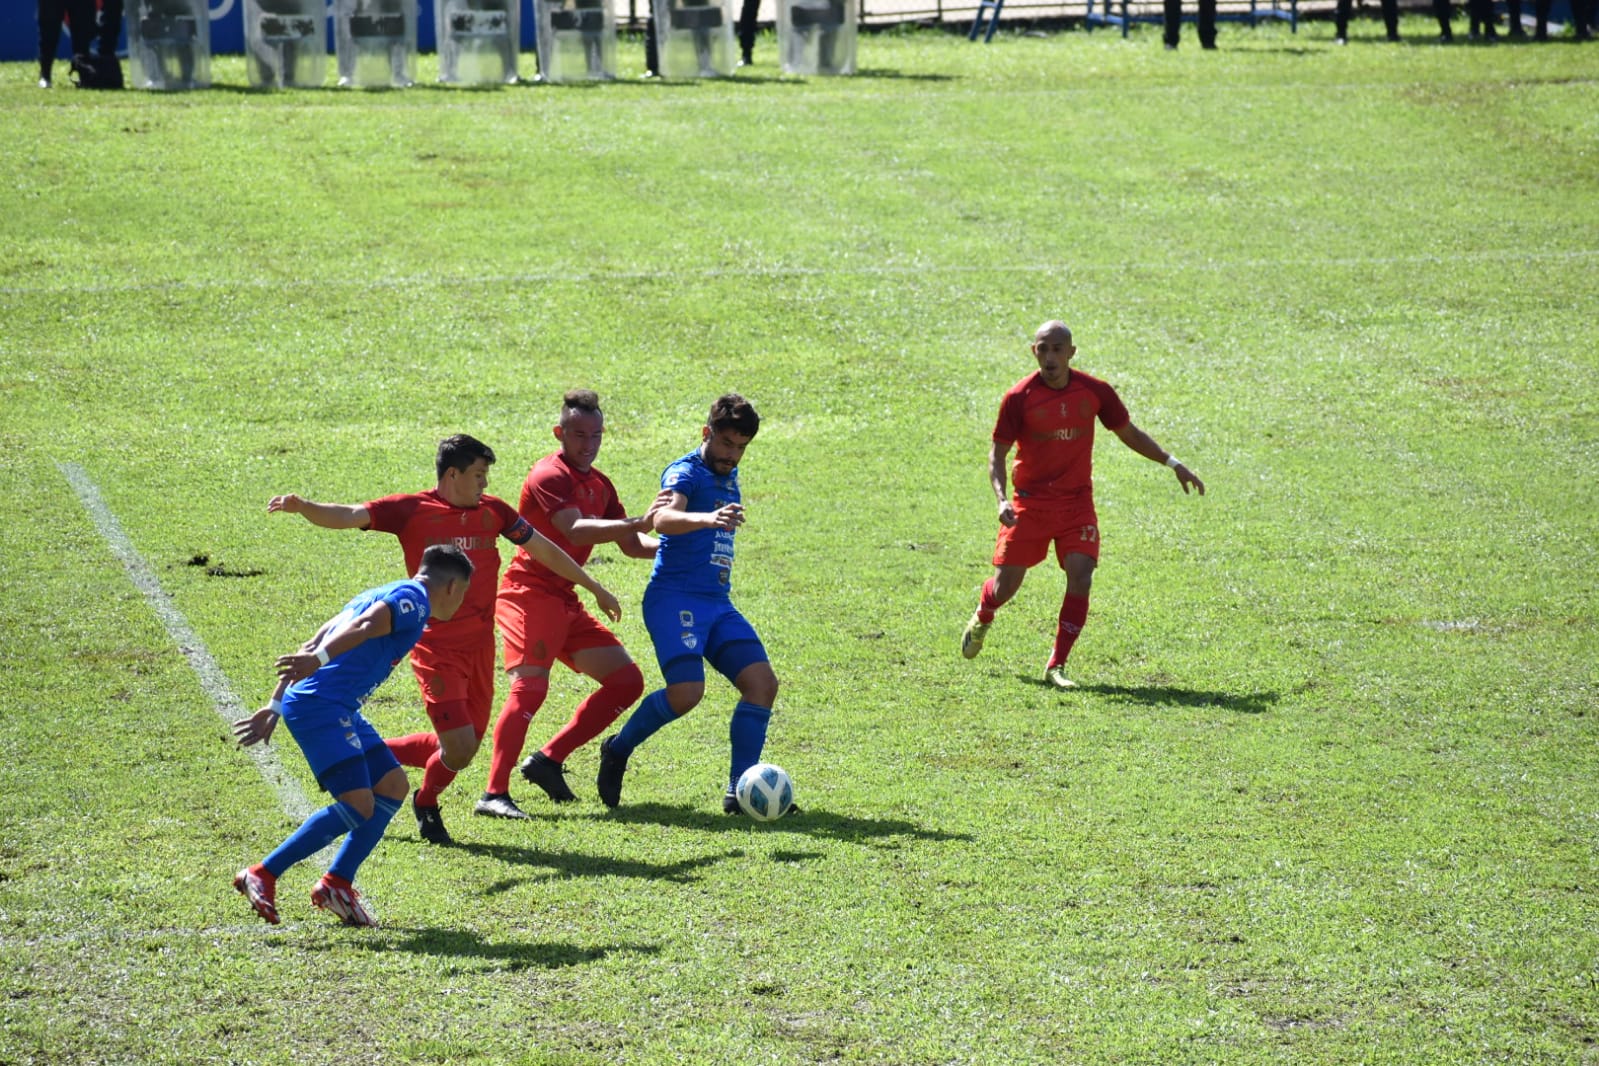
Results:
x,y
702,561
349,679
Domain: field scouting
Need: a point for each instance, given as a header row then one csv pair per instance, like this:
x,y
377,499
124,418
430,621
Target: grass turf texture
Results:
x,y
1328,792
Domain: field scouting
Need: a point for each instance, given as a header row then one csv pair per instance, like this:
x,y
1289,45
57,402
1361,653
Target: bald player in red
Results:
x,y
568,500
454,660
1049,417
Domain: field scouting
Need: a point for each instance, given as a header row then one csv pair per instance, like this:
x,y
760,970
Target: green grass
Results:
x,y
1329,793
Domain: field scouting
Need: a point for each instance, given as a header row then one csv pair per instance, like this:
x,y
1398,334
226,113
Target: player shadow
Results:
x,y
807,821
512,955
576,864
888,73
1177,696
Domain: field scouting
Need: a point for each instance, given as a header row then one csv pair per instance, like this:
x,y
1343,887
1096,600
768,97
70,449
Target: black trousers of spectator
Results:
x,y
1207,22
80,25
746,29
1390,18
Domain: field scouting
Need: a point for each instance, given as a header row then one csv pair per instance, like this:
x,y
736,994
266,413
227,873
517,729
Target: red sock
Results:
x,y
435,779
414,750
986,603
510,730
604,705
1073,613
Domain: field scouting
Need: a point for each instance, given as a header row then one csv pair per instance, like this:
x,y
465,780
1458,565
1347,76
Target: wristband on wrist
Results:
x,y
275,706
322,656
1172,461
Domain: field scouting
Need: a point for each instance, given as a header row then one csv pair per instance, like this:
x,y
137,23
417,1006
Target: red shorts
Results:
x,y
1070,525
457,684
538,628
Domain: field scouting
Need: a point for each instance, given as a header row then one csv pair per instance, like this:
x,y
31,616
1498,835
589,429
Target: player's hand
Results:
x,y
299,666
289,504
1185,478
256,729
608,603
728,516
1007,513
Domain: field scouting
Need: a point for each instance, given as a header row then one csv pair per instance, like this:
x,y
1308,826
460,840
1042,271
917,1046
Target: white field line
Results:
x,y
215,683
892,270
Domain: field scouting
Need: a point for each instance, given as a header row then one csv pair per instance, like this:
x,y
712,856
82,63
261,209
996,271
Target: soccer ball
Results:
x,y
765,792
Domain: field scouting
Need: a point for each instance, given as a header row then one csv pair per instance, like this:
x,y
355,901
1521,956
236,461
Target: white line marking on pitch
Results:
x,y
215,683
887,270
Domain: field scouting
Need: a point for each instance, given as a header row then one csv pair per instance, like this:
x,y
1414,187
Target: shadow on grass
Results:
x,y
887,74
807,821
575,864
1176,696
513,956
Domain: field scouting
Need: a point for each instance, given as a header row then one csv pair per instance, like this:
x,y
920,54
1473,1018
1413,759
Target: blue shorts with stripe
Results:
x,y
689,630
342,748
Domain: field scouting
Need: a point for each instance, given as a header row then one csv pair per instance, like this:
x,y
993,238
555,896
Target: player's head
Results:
x,y
729,428
446,571
463,467
1053,348
581,426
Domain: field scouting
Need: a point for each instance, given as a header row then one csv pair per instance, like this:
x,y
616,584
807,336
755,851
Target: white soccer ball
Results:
x,y
765,792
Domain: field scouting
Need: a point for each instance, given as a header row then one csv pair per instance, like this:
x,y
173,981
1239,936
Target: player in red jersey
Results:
x,y
454,660
1049,418
541,620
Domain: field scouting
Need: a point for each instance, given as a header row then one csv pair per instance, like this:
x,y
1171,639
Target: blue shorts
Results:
x,y
344,751
690,630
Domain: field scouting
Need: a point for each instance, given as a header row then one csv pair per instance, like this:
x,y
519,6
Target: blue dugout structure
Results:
x,y
19,30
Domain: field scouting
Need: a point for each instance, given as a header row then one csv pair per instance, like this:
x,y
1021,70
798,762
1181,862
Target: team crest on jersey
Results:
x,y
1086,408
349,734
690,641
488,519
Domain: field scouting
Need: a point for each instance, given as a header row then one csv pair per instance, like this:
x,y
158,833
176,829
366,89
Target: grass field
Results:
x,y
1329,792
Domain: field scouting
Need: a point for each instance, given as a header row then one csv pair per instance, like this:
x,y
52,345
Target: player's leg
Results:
x,y
1079,567
735,651
532,630
459,694
678,627
336,891
1016,549
621,684
316,727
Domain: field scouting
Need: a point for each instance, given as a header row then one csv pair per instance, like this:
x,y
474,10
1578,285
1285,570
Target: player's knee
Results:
x,y
626,682
759,688
457,752
358,804
684,697
394,786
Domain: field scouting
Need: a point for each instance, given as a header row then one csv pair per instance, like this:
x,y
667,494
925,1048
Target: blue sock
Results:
x,y
359,844
652,713
746,734
314,834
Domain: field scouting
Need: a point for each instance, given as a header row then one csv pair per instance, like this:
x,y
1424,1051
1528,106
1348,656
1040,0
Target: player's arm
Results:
x,y
673,517
548,553
330,641
1145,445
998,464
326,515
624,532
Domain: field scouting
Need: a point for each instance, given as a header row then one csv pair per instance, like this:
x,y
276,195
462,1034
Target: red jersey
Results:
x,y
553,486
1053,430
422,519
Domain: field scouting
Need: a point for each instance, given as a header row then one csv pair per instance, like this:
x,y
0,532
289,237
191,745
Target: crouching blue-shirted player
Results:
x,y
688,609
320,692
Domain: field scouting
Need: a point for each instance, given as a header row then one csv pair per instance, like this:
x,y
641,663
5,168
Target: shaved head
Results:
x,y
1052,327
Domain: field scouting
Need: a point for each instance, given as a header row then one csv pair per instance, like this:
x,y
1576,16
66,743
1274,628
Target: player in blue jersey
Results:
x,y
320,692
688,609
